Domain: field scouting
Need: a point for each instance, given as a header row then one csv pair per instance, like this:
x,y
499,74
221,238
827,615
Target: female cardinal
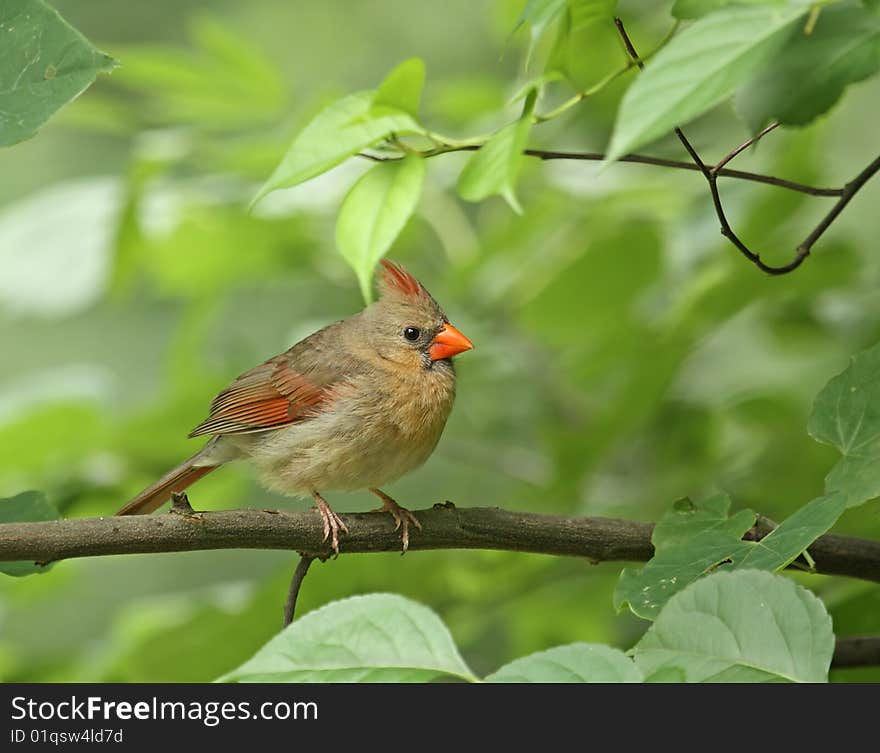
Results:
x,y
355,405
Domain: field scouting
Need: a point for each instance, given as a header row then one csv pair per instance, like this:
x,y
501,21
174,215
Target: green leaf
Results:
x,y
698,69
846,414
373,638
538,14
587,46
690,9
688,542
691,541
220,80
335,134
402,88
791,537
375,211
577,662
494,168
585,12
535,83
666,675
812,71
745,626
24,507
45,64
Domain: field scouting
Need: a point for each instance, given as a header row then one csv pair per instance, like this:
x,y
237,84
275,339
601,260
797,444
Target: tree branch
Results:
x,y
711,176
862,651
444,527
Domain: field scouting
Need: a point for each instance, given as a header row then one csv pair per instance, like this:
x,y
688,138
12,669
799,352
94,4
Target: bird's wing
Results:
x,y
280,391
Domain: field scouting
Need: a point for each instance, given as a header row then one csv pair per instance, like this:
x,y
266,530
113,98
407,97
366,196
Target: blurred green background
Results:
x,y
625,355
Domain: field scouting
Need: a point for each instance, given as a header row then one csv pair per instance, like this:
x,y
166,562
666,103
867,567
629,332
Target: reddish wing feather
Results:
x,y
272,394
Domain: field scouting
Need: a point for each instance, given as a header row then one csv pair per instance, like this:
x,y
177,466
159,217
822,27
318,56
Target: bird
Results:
x,y
355,405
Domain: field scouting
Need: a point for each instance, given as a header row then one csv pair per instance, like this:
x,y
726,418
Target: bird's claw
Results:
x,y
402,517
331,523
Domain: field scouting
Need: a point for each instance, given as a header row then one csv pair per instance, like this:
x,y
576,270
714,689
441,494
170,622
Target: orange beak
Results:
x,y
447,343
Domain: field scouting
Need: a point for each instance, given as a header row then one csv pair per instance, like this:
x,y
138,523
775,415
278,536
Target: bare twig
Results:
x,y
641,159
742,147
711,175
302,568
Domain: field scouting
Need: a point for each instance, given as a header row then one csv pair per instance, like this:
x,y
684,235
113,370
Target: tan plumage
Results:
x,y
355,405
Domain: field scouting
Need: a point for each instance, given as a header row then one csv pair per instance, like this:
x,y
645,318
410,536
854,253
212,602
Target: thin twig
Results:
x,y
302,568
745,145
576,99
641,159
711,175
849,190
628,45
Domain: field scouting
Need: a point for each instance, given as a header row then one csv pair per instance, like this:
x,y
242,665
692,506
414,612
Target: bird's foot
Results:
x,y
402,517
332,522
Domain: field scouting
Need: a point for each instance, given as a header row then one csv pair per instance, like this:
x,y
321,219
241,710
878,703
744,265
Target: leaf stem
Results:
x,y
597,87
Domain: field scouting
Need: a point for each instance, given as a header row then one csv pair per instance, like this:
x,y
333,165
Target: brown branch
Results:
x,y
302,569
863,651
640,159
711,176
444,527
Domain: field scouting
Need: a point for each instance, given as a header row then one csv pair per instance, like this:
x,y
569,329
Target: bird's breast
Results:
x,y
372,432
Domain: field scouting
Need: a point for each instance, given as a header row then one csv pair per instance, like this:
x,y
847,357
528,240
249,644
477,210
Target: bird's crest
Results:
x,y
394,278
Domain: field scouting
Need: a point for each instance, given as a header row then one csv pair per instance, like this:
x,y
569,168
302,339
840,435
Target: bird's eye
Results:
x,y
412,333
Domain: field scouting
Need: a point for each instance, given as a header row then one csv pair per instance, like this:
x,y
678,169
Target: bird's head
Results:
x,y
407,326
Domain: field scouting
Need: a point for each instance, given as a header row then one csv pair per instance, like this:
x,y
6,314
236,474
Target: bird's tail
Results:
x,y
176,480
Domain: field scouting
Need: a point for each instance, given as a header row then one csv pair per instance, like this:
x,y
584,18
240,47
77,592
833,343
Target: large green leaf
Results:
x,y
373,638
375,211
44,64
746,626
335,134
494,168
698,69
812,71
846,414
688,9
691,541
577,662
402,88
24,507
